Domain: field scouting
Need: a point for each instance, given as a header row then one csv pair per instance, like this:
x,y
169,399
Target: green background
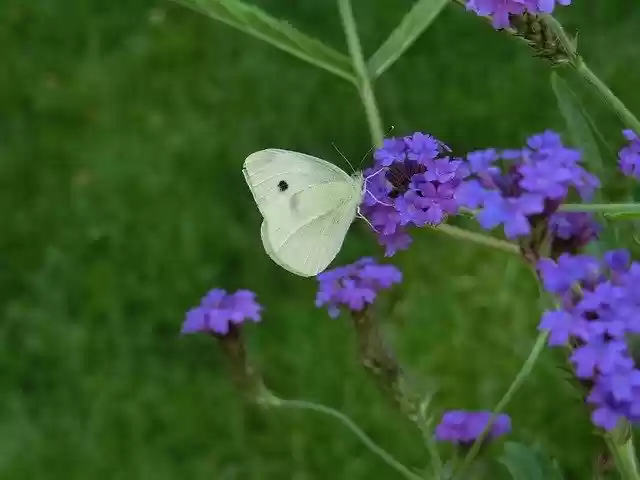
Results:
x,y
123,127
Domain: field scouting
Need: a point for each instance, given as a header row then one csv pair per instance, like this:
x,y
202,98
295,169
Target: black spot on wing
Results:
x,y
282,185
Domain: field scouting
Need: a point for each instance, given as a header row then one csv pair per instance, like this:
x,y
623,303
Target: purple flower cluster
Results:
x,y
599,309
218,309
629,156
354,286
500,10
412,182
536,181
463,427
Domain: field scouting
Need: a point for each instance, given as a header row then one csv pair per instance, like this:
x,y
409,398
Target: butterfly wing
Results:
x,y
309,237
265,170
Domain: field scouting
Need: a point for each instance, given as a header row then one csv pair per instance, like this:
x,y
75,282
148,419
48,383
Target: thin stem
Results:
x,y
628,118
515,386
364,84
436,461
351,425
478,238
610,208
625,458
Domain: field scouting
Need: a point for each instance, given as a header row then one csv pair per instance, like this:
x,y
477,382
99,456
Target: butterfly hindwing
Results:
x,y
307,245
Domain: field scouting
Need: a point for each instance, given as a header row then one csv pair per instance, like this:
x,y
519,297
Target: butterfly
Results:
x,y
308,205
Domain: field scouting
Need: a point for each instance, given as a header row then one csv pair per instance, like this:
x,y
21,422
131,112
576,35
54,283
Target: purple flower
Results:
x,y
629,156
499,10
415,186
618,260
562,326
600,310
218,309
481,160
600,356
392,150
532,185
463,427
422,148
354,286
568,225
559,276
512,212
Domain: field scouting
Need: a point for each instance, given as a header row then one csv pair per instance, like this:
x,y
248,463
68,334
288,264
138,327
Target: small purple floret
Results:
x,y
629,156
354,286
218,309
500,10
464,427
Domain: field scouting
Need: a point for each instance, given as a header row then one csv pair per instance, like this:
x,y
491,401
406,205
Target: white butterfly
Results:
x,y
308,205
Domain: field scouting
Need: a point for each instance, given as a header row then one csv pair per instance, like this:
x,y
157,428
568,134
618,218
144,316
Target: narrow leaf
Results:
x,y
579,129
281,34
414,23
525,463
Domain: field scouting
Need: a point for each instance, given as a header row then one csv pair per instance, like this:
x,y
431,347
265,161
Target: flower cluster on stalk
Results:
x,y
412,183
464,427
598,312
533,182
501,10
219,309
354,286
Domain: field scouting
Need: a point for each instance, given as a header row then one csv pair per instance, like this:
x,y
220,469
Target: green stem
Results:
x,y
478,238
274,401
628,118
625,458
515,386
611,208
364,84
580,66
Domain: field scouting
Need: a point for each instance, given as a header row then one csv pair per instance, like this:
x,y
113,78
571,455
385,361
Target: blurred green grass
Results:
x,y
123,126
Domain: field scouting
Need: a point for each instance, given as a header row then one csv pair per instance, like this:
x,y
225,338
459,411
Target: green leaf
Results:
x,y
577,123
525,463
414,23
278,33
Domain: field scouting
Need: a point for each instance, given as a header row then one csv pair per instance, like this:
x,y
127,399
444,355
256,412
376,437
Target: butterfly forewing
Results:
x,y
272,174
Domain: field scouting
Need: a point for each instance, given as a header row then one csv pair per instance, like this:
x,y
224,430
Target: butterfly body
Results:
x,y
307,204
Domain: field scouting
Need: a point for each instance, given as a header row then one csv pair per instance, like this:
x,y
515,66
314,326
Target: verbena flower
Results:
x,y
500,10
463,427
572,231
354,286
629,156
599,310
218,309
533,182
412,183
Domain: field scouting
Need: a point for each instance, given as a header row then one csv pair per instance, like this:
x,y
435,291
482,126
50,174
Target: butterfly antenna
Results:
x,y
371,149
345,158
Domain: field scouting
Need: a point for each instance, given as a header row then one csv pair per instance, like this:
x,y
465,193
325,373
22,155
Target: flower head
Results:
x,y
463,427
629,156
599,311
533,184
354,286
500,10
412,183
218,309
